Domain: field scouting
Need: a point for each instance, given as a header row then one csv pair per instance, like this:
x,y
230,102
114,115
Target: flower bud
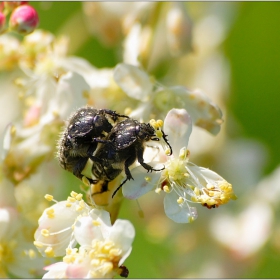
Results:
x,y
24,19
2,22
178,29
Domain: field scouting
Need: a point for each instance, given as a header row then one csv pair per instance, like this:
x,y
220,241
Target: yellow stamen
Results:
x,y
73,194
158,190
45,232
166,189
38,244
48,197
49,252
50,213
79,196
180,200
96,223
71,199
159,123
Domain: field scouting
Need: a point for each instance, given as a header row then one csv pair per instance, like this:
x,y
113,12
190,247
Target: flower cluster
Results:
x,y
102,249
44,85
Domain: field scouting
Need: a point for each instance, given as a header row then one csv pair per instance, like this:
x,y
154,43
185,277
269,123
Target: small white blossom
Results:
x,y
55,231
154,99
182,181
102,247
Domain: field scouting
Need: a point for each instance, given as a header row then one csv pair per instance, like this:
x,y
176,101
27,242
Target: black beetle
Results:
x,y
86,128
124,144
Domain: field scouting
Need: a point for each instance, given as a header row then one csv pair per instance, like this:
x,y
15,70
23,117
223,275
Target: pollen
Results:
x,y
212,196
79,196
38,244
49,252
31,253
45,232
127,111
184,153
180,200
153,122
96,223
68,251
71,199
48,197
73,194
80,206
168,151
50,213
158,190
148,179
166,189
159,123
68,204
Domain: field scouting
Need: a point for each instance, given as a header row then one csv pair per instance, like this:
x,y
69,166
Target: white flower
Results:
x,y
155,99
182,181
102,247
55,231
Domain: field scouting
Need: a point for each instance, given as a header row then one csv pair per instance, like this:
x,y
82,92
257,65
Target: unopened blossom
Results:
x,y
103,247
24,19
2,22
183,182
154,99
163,33
179,29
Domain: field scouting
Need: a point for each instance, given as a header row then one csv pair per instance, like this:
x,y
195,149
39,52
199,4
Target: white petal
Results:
x,y
77,270
56,270
122,233
204,113
133,81
69,94
178,127
139,186
85,231
59,227
203,175
8,222
178,213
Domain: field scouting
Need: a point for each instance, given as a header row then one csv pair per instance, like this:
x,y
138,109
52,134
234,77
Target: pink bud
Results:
x,y
24,19
2,22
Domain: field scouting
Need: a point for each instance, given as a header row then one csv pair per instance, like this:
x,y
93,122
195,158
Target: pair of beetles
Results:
x,y
112,142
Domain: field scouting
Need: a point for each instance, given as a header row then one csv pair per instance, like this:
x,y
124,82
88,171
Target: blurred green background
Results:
x,y
252,47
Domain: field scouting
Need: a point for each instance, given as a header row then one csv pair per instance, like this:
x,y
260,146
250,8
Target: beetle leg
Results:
x,y
114,114
120,186
79,166
141,161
